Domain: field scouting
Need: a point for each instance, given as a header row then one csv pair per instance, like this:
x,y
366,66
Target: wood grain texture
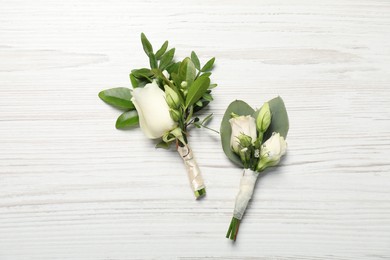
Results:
x,y
73,187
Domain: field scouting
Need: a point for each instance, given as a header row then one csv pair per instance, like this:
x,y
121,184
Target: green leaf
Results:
x,y
207,97
173,67
162,50
195,60
166,59
242,109
196,90
213,86
127,119
143,73
208,66
146,44
133,80
279,119
152,61
163,145
207,74
118,97
187,71
207,119
203,104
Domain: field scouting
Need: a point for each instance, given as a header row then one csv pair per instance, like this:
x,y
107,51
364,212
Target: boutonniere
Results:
x,y
164,101
254,140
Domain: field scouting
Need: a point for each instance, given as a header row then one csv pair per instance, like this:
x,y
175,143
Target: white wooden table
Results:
x,y
74,187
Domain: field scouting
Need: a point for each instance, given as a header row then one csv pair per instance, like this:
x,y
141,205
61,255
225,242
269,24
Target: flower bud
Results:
x,y
263,119
184,84
175,114
172,97
245,140
245,156
271,151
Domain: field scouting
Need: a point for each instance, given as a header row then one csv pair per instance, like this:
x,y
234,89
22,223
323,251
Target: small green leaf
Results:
x,y
195,60
162,50
203,104
207,119
152,61
133,80
208,66
143,73
166,59
187,71
173,67
146,44
207,97
199,103
163,145
242,109
213,86
118,97
196,90
127,119
206,74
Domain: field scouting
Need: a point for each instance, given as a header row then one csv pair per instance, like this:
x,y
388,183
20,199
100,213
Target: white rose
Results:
x,y
153,110
271,151
242,125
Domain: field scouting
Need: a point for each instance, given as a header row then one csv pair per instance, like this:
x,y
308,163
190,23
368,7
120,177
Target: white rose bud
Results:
x,y
153,110
271,151
242,125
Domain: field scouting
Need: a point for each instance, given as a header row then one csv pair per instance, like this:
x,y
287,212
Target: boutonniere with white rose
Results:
x,y
164,101
254,140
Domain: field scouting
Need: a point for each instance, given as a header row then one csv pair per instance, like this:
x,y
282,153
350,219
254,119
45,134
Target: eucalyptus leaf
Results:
x,y
195,60
166,59
146,44
208,66
162,50
127,119
197,89
118,97
279,119
240,108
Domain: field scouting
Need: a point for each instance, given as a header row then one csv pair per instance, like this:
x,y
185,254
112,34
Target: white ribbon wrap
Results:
x,y
247,185
192,167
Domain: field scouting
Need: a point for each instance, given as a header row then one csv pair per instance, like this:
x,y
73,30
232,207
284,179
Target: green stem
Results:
x,y
233,229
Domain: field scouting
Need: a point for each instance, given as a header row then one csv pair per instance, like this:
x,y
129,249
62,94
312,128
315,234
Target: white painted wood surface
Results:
x,y
73,187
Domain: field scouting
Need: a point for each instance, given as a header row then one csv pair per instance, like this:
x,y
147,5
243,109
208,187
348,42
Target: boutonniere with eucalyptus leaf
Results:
x,y
164,101
254,140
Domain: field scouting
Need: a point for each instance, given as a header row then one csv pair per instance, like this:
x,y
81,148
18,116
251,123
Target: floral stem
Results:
x,y
233,229
193,171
